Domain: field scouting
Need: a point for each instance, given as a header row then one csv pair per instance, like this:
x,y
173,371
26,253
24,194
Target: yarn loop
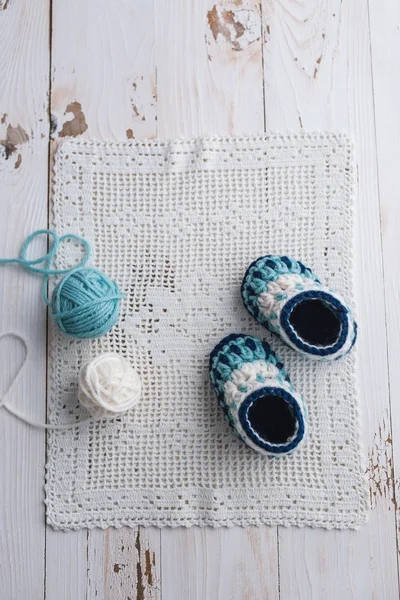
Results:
x,y
108,386
85,302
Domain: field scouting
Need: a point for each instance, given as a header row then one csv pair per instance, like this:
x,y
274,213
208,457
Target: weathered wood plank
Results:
x,y
103,87
209,80
24,76
104,83
66,564
221,563
209,67
385,48
124,563
317,75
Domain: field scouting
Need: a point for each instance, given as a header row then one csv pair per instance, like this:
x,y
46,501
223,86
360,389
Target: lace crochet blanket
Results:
x,y
176,224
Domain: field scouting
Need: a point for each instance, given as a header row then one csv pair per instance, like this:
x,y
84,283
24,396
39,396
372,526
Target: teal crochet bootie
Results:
x,y
257,396
289,300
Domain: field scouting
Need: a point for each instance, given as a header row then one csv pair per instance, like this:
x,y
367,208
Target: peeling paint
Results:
x,y
139,572
207,41
18,162
380,471
318,61
154,91
15,136
4,5
129,134
118,567
148,572
3,119
77,125
317,66
238,27
143,99
128,567
53,124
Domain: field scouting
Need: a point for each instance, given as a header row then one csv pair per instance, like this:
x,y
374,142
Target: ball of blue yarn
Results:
x,y
85,303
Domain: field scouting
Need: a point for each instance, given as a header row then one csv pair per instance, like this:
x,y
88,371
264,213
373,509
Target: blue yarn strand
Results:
x,y
85,302
48,258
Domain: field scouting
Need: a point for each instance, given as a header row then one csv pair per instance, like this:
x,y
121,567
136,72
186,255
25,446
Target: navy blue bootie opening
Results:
x,y
272,418
316,322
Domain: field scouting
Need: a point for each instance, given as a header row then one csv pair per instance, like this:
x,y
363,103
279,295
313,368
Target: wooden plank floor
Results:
x,y
163,68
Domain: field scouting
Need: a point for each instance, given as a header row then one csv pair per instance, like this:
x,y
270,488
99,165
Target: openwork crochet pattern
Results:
x,y
176,224
246,373
275,286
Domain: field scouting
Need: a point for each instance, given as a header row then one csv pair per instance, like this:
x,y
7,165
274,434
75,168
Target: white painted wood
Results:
x,y
66,564
209,67
385,47
132,68
124,563
208,81
317,74
103,73
223,563
103,87
24,71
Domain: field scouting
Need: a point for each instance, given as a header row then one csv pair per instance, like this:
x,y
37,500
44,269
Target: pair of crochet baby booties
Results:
x,y
250,381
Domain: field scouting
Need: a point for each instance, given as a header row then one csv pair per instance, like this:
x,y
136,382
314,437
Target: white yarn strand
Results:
x,y
108,386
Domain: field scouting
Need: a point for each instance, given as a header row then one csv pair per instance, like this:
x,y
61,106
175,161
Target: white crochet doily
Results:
x,y
176,224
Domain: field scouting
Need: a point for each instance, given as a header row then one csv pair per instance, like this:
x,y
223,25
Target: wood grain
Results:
x,y
24,74
209,67
220,564
124,563
104,83
385,45
210,80
103,87
133,69
317,66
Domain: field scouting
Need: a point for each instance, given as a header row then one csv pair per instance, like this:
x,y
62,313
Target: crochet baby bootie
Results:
x,y
256,395
287,297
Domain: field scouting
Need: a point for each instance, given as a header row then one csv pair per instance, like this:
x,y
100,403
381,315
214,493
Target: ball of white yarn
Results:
x,y
108,385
